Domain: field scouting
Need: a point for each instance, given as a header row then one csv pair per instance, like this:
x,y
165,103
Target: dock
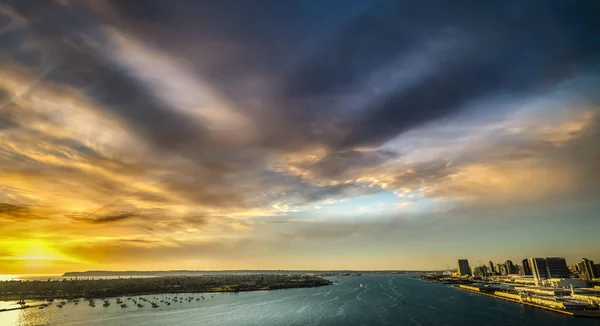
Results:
x,y
21,307
584,313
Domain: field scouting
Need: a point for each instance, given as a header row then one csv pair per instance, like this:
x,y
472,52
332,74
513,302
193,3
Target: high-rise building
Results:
x,y
538,268
463,268
526,267
503,269
549,267
587,268
491,268
557,267
480,271
510,267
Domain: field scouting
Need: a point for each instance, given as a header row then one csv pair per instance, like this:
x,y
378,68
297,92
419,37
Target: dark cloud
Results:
x,y
340,163
7,121
509,47
14,211
4,95
65,34
513,48
136,241
111,218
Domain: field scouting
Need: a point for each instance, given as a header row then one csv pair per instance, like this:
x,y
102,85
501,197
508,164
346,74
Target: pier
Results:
x,y
577,313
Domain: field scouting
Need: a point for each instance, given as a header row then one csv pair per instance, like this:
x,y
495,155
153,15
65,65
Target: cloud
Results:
x,y
14,211
193,122
491,65
110,218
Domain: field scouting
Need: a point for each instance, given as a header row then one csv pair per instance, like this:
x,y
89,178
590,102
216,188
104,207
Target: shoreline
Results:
x,y
108,288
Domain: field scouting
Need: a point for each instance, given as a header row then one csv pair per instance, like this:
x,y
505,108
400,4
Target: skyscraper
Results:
x,y
549,267
463,268
510,267
526,267
587,268
538,268
491,268
480,271
557,267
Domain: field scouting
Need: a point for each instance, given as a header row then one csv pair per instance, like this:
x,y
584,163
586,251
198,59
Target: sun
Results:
x,y
36,250
32,255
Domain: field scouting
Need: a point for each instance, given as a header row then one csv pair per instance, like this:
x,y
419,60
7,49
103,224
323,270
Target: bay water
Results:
x,y
352,300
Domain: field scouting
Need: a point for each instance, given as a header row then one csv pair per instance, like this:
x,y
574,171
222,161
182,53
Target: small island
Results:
x,y
104,288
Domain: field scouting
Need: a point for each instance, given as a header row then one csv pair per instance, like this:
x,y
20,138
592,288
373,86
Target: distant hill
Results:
x,y
225,272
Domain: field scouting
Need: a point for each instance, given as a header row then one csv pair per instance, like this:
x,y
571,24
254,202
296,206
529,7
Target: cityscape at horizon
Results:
x,y
472,267
297,135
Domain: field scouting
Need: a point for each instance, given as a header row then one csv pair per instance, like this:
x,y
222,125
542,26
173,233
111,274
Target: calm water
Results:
x,y
383,299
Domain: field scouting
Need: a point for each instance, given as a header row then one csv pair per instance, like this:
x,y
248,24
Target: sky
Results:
x,y
356,134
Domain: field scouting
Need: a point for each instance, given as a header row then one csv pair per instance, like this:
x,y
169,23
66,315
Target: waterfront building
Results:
x,y
524,279
510,267
557,267
587,268
549,267
491,268
503,269
526,267
463,268
480,271
566,283
538,269
574,269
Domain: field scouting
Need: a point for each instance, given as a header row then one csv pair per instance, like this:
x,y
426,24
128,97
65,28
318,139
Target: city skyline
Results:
x,y
300,135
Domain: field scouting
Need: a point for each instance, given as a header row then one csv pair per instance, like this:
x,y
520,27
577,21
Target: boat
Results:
x,y
361,285
140,305
106,304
